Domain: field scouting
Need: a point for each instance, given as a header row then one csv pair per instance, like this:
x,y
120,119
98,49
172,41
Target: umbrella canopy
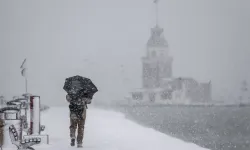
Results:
x,y
80,86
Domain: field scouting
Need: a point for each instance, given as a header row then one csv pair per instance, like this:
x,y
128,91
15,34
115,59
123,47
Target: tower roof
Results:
x,y
157,38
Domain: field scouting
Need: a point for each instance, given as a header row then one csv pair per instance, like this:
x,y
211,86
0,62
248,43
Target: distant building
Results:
x,y
157,64
158,83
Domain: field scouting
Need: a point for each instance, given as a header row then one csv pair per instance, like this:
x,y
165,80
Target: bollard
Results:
x,y
9,116
35,115
35,125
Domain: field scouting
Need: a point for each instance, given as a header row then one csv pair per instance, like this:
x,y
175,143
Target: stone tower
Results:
x,y
157,65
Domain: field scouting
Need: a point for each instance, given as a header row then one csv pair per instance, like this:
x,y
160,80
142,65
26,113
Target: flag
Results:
x,y
156,1
24,68
23,64
24,72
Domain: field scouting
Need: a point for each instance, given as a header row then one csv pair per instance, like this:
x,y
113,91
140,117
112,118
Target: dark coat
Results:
x,y
77,105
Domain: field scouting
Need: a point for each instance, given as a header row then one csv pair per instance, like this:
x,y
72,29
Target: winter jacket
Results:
x,y
77,105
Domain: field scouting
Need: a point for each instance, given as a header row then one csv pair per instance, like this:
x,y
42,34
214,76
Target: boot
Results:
x,y
72,142
79,145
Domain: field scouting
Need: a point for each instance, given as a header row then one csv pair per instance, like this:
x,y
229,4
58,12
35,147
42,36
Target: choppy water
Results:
x,y
216,128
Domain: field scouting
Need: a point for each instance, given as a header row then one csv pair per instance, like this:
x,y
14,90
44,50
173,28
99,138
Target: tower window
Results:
x,y
153,53
152,96
166,95
137,95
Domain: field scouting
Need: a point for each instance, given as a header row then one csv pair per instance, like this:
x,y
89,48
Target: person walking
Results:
x,y
77,107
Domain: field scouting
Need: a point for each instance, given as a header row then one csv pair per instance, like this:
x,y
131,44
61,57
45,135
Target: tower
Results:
x,y
157,65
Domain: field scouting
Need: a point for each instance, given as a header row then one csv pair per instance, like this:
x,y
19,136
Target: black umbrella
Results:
x,y
80,86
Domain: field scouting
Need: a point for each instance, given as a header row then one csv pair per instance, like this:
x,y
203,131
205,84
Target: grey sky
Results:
x,y
209,40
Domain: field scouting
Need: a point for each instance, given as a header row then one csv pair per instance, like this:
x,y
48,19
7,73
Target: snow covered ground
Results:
x,y
107,130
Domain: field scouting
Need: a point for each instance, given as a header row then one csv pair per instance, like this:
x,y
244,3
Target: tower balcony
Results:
x,y
157,59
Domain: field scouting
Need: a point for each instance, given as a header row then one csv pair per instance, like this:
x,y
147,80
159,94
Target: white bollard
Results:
x,y
35,115
35,124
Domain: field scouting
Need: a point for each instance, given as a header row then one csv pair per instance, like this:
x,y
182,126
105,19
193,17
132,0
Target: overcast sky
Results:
x,y
105,39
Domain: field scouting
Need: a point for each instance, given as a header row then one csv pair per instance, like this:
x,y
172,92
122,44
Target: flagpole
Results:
x,y
156,11
26,85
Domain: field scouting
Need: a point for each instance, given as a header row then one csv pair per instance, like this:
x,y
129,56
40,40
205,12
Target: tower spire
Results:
x,y
156,11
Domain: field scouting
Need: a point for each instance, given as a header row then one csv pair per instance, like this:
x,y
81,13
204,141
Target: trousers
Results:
x,y
78,124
